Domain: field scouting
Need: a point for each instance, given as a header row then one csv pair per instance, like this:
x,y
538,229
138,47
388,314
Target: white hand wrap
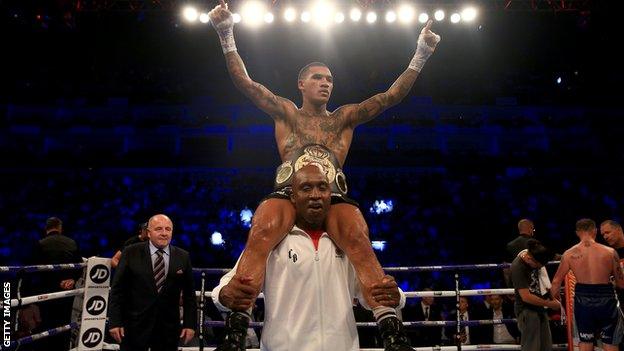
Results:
x,y
225,30
423,51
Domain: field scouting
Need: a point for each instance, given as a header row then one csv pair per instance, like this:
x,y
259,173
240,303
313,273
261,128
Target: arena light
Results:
x,y
423,17
371,17
290,14
455,18
378,245
203,18
382,206
355,14
190,13
216,239
268,17
323,13
245,216
236,18
406,13
306,16
391,16
253,12
469,14
339,17
439,15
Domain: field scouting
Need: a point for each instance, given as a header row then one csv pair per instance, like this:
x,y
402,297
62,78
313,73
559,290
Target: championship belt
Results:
x,y
316,155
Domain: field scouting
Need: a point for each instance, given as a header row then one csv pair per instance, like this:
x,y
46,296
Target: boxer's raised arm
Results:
x,y
277,107
372,107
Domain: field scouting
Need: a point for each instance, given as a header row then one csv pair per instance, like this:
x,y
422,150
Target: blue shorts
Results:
x,y
596,310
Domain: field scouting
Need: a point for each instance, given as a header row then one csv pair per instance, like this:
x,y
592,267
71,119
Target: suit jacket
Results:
x,y
426,336
486,332
136,305
516,245
54,248
474,332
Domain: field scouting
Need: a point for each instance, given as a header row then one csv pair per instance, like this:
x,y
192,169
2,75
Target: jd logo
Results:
x,y
92,337
292,255
96,305
99,273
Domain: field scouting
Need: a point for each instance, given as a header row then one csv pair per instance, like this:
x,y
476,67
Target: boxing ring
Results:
x,y
202,295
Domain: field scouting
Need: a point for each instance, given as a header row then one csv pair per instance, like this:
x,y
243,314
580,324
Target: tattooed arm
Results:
x,y
374,106
263,98
618,272
564,268
371,108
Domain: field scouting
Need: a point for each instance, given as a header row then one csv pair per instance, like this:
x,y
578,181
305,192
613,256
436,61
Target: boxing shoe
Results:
x,y
236,325
394,338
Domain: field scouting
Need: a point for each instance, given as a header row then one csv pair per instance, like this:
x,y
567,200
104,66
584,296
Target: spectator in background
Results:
x,y
56,248
465,313
526,231
423,310
498,333
141,237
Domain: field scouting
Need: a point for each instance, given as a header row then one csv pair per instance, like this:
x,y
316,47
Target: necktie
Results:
x,y
159,270
427,313
462,329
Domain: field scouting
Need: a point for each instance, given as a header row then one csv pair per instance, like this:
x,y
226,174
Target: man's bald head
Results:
x,y
526,227
160,230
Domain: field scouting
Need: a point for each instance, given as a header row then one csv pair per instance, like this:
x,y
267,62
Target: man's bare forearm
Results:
x,y
375,105
236,69
401,87
258,93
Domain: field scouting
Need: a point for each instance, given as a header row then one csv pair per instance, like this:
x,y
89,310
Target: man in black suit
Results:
x,y
526,230
423,310
145,295
55,248
499,333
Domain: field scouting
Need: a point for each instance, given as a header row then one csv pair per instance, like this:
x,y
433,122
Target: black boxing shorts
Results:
x,y
321,157
596,310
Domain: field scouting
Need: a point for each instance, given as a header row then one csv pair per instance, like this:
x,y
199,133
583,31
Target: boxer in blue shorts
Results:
x,y
595,304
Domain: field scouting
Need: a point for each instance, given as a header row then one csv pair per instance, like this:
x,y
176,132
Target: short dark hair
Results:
x,y
307,67
614,224
539,252
53,223
585,225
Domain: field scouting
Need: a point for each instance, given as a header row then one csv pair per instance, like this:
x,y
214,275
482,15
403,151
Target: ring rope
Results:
x,y
502,347
459,267
471,323
42,267
45,297
29,339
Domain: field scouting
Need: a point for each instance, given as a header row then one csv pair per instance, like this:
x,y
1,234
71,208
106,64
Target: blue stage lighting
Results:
x,y
245,217
216,239
382,206
378,245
